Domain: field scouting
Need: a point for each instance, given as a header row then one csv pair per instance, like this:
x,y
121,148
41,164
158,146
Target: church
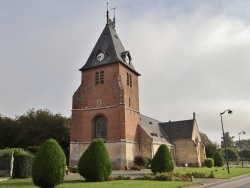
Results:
x,y
106,105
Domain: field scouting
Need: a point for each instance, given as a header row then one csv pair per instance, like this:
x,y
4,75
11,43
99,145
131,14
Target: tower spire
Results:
x,y
107,13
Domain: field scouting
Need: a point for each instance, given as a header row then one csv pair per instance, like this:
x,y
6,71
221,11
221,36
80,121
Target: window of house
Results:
x,y
97,78
102,77
127,79
100,127
130,80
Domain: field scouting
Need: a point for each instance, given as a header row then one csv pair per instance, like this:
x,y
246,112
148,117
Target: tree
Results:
x,y
49,165
33,128
231,153
94,164
210,147
229,141
162,161
218,159
244,144
8,132
245,154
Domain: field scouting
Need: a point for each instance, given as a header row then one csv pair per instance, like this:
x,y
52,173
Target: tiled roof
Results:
x,y
153,130
110,44
178,129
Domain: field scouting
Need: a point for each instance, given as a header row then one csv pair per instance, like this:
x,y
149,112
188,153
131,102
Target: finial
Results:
x,y
114,14
194,114
107,12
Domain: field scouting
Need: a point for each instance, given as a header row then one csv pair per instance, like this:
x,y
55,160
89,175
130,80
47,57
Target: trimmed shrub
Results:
x,y
142,161
22,167
135,168
94,164
218,159
162,161
49,165
209,162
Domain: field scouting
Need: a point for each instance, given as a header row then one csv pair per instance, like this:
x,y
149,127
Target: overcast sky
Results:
x,y
193,56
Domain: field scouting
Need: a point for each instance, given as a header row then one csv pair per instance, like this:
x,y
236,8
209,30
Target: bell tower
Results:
x,y
106,104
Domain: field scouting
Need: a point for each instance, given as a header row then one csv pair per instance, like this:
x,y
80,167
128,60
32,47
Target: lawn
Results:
x,y
23,183
220,174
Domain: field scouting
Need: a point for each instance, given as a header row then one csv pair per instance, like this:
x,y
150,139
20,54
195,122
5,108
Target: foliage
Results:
x,y
162,161
200,174
74,169
33,128
135,168
244,144
49,165
142,161
22,167
209,162
7,132
94,164
231,153
218,159
210,147
245,154
122,177
228,139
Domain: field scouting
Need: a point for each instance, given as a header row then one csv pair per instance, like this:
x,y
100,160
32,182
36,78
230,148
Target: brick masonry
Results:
x,y
117,102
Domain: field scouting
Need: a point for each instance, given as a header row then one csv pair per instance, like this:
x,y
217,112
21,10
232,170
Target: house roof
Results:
x,y
110,45
178,129
153,130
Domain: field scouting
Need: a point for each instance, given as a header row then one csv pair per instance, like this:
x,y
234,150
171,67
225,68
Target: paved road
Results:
x,y
243,182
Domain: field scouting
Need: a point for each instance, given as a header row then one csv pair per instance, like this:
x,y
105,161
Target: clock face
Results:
x,y
100,56
127,59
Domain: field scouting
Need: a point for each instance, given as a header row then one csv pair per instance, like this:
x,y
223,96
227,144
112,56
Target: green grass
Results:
x,y
220,174
23,183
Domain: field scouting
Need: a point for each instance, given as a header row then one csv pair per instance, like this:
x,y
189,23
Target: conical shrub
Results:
x,y
49,165
162,161
218,159
94,164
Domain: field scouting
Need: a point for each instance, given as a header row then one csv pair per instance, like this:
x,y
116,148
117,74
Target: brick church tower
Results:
x,y
106,104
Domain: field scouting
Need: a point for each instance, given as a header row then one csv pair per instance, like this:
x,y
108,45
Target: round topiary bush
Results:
x,y
94,164
49,165
162,161
209,162
218,159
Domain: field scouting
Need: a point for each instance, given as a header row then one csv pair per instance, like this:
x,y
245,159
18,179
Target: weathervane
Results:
x,y
114,13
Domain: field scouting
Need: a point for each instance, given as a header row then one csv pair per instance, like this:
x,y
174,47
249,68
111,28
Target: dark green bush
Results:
x,y
94,164
135,168
162,161
49,165
74,169
142,161
209,162
218,159
22,167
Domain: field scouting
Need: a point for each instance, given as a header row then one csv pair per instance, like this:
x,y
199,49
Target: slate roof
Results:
x,y
110,44
178,129
153,130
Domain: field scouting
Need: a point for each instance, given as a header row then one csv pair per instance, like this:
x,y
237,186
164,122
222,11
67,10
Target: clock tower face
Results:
x,y
100,56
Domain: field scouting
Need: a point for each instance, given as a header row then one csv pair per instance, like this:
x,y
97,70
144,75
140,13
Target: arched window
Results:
x,y
100,127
